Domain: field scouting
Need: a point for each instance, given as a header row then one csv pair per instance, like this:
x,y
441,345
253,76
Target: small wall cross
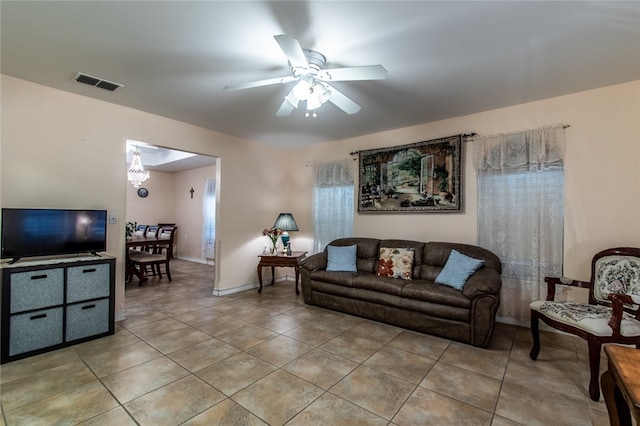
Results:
x,y
191,191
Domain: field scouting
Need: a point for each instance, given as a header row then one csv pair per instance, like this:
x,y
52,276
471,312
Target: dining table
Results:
x,y
145,243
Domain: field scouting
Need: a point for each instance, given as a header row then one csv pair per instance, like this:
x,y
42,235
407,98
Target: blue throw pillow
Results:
x,y
342,258
458,269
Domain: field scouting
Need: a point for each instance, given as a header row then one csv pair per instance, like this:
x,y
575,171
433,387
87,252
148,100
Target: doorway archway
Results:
x,y
180,190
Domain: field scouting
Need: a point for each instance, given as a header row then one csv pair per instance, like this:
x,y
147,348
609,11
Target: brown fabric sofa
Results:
x,y
418,304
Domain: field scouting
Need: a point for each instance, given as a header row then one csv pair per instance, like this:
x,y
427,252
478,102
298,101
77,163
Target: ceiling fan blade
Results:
x,y
367,72
292,49
259,83
341,101
285,109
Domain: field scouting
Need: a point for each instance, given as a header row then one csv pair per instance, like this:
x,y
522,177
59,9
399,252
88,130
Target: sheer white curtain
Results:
x,y
521,211
209,220
332,202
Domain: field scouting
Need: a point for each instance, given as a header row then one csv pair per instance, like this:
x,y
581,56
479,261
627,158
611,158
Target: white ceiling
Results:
x,y
445,59
167,160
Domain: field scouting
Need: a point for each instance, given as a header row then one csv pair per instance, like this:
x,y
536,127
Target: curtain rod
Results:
x,y
464,135
471,135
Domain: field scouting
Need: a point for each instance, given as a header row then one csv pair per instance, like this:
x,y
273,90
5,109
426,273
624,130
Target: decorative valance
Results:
x,y
333,173
542,146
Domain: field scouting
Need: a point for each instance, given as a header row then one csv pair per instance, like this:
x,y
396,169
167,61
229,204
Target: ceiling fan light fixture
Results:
x,y
292,99
302,89
313,103
310,77
318,94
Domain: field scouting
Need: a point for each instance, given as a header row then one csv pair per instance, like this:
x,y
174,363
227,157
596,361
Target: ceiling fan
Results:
x,y
307,68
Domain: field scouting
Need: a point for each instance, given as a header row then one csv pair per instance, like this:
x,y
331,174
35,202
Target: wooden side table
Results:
x,y
280,260
621,384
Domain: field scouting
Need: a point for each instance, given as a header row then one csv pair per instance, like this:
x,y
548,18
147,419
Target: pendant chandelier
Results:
x,y
136,173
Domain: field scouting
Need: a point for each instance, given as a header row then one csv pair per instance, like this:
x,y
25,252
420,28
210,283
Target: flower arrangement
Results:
x,y
273,234
129,229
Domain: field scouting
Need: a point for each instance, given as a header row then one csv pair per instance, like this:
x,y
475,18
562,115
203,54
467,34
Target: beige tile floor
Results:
x,y
183,356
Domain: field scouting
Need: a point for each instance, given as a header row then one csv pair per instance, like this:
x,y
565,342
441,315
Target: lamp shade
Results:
x,y
286,222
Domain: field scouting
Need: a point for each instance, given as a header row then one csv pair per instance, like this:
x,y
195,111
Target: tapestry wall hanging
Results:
x,y
421,177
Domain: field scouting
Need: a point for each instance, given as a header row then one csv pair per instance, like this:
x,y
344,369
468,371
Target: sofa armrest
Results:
x,y
483,281
314,262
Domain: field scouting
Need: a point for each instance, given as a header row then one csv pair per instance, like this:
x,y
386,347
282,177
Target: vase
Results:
x,y
274,249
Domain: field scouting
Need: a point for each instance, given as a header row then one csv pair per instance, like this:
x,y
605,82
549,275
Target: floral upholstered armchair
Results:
x,y
612,314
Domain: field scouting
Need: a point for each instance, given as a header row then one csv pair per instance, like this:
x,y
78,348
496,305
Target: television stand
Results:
x,y
49,304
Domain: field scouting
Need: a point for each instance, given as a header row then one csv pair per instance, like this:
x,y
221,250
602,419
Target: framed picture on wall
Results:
x,y
422,177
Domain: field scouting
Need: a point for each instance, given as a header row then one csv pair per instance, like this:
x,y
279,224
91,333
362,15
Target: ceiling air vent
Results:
x,y
96,82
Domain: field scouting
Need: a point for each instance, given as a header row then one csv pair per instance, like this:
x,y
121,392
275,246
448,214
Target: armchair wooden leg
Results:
x,y
535,333
594,369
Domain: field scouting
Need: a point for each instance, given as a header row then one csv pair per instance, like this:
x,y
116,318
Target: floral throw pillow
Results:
x,y
395,262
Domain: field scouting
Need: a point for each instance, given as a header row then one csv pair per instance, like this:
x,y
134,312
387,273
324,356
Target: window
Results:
x,y
521,212
209,221
333,202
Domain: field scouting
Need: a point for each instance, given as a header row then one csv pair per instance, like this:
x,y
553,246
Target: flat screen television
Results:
x,y
45,232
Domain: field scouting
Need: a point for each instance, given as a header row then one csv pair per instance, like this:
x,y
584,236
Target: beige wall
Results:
x,y
602,173
68,151
158,206
189,211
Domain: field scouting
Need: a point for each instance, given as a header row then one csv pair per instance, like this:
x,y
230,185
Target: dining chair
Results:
x,y
150,262
166,233
140,230
152,231
612,314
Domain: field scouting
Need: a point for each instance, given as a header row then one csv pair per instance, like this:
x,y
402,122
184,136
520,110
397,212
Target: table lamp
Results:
x,y
286,222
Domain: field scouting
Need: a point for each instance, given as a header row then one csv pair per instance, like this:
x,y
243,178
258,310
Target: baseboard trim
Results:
x,y
245,287
196,260
512,321
527,324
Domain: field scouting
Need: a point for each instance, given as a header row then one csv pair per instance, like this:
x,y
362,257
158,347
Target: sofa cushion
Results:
x,y
395,262
359,300
458,269
341,278
429,291
436,254
314,262
367,252
341,258
379,283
